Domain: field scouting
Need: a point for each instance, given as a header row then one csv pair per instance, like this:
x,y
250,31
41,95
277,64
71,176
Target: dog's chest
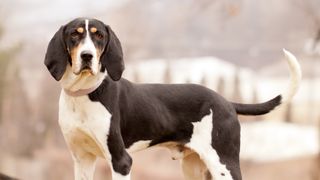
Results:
x,y
85,124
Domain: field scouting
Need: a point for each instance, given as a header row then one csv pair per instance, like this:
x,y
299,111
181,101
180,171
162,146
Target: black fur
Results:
x,y
258,109
57,56
164,113
112,58
67,38
157,112
154,111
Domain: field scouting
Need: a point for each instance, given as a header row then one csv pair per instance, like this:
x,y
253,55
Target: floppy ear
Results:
x,y
57,56
112,58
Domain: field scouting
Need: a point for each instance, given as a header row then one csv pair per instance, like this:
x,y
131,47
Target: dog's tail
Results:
x,y
263,108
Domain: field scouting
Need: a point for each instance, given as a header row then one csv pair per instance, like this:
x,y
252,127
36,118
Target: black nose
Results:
x,y
86,55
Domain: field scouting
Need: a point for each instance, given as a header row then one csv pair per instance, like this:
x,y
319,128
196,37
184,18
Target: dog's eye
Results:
x,y
74,35
98,35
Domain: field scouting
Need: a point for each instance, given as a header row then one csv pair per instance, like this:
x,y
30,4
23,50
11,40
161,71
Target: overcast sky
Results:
x,y
20,16
253,34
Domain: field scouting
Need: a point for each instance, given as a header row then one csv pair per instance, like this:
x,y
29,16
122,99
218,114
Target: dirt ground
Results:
x,y
155,164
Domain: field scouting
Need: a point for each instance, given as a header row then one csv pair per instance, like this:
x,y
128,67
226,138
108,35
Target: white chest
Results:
x,y
85,124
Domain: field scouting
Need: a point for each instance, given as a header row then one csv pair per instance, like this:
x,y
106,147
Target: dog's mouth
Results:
x,y
84,70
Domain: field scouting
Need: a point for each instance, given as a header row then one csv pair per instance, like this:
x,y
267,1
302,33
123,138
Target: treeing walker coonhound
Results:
x,y
104,115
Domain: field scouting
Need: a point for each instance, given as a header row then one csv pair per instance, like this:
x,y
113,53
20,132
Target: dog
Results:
x,y
104,115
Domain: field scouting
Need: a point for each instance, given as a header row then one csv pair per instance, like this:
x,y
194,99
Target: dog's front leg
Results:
x,y
120,159
84,165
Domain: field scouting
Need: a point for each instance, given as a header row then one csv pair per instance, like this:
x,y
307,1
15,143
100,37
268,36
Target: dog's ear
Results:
x,y
57,56
112,57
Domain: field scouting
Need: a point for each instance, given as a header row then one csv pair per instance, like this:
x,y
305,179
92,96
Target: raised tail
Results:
x,y
263,108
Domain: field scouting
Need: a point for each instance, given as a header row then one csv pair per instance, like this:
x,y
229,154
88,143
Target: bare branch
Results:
x,y
307,7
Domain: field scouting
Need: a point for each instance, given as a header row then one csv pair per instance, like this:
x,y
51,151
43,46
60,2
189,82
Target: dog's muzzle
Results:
x,y
86,61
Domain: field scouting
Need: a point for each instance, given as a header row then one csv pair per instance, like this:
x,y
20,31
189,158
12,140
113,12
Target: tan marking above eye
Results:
x,y
80,30
93,29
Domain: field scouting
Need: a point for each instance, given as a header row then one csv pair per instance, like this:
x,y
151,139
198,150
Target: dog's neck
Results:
x,y
82,84
81,92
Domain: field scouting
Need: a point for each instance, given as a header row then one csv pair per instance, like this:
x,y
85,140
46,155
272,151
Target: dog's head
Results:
x,y
88,47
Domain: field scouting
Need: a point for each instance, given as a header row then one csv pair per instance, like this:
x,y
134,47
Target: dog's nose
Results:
x,y
86,55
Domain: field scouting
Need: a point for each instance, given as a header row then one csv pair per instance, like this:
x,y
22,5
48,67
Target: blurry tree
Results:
x,y
236,95
254,95
47,127
318,168
221,86
188,80
6,59
136,77
18,126
288,115
254,101
15,114
167,74
171,28
3,62
1,31
311,9
204,80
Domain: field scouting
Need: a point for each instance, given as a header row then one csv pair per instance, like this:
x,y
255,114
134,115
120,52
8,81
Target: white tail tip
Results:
x,y
295,77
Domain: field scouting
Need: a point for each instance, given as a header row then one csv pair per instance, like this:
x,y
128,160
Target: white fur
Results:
x,y
295,77
201,143
85,126
173,147
87,45
139,145
75,82
84,166
117,176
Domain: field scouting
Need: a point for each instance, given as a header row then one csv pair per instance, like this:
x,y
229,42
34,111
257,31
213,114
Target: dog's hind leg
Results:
x,y
226,144
201,143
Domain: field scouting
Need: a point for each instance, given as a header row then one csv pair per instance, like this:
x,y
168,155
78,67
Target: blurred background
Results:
x,y
231,46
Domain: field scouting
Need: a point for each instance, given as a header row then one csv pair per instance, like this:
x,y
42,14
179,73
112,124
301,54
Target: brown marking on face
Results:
x,y
99,52
73,54
93,30
80,30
